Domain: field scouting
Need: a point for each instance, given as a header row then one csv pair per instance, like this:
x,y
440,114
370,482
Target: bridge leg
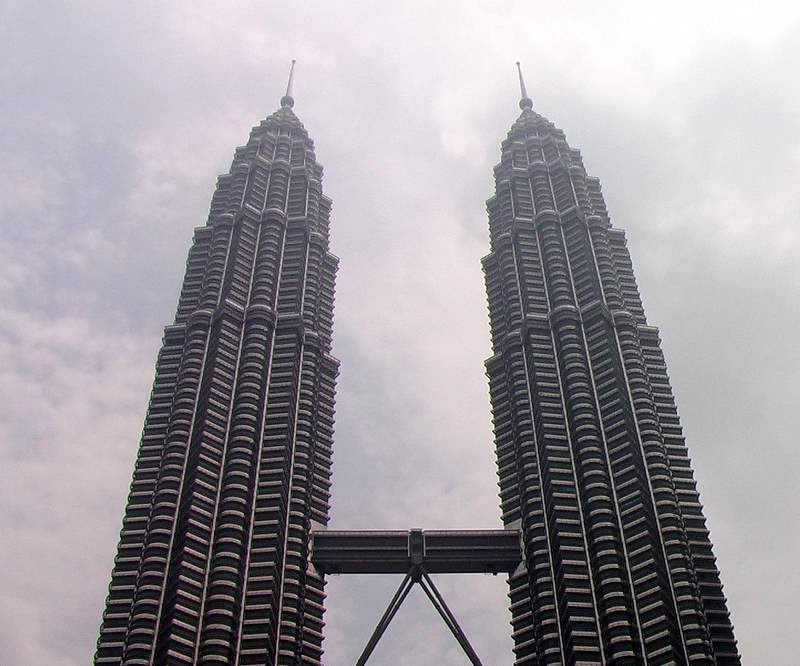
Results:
x,y
426,583
418,575
394,605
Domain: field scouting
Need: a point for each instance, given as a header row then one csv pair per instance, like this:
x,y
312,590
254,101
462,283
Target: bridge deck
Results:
x,y
397,551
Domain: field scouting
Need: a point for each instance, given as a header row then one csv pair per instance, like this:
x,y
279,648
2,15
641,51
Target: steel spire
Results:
x,y
525,102
287,99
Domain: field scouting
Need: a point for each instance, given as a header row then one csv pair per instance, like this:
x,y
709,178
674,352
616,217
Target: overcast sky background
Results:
x,y
116,120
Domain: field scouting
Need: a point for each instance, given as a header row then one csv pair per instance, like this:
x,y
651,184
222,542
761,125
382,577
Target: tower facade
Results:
x,y
219,561
593,468
235,459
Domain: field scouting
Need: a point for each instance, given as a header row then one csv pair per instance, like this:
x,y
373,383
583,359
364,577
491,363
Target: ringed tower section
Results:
x,y
234,464
592,463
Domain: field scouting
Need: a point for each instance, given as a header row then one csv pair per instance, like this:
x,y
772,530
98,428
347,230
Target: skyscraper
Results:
x,y
235,458
215,561
592,464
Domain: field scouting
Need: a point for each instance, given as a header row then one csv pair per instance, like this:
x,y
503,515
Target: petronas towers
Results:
x,y
235,458
592,464
214,564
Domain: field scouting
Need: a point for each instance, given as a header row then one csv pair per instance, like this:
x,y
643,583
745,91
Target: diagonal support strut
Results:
x,y
418,575
426,583
391,610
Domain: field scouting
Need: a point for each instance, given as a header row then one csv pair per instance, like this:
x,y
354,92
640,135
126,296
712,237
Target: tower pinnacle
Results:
x,y
525,102
287,99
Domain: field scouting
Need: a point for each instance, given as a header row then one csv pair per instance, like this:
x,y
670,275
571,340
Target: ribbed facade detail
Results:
x,y
592,463
234,464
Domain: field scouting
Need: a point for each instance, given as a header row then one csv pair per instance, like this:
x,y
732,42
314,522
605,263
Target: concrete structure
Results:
x,y
223,550
592,464
235,459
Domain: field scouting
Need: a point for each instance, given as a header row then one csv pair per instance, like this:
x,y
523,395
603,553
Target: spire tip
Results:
x,y
287,99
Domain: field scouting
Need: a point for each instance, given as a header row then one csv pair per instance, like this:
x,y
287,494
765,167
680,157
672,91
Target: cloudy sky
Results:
x,y
116,120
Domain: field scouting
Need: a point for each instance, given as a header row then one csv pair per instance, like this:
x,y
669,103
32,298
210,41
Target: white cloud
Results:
x,y
73,395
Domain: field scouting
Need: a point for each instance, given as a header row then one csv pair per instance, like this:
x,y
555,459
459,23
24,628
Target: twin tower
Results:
x,y
223,551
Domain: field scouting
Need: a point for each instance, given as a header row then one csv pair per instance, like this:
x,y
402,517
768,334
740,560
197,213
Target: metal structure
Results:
x,y
223,551
417,554
397,551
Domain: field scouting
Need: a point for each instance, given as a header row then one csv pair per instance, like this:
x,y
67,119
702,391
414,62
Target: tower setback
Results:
x,y
235,458
592,464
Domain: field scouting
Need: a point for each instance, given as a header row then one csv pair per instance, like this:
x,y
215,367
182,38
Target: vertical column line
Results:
x,y
294,428
234,387
584,531
652,497
538,465
612,481
644,455
267,379
585,535
289,490
201,379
